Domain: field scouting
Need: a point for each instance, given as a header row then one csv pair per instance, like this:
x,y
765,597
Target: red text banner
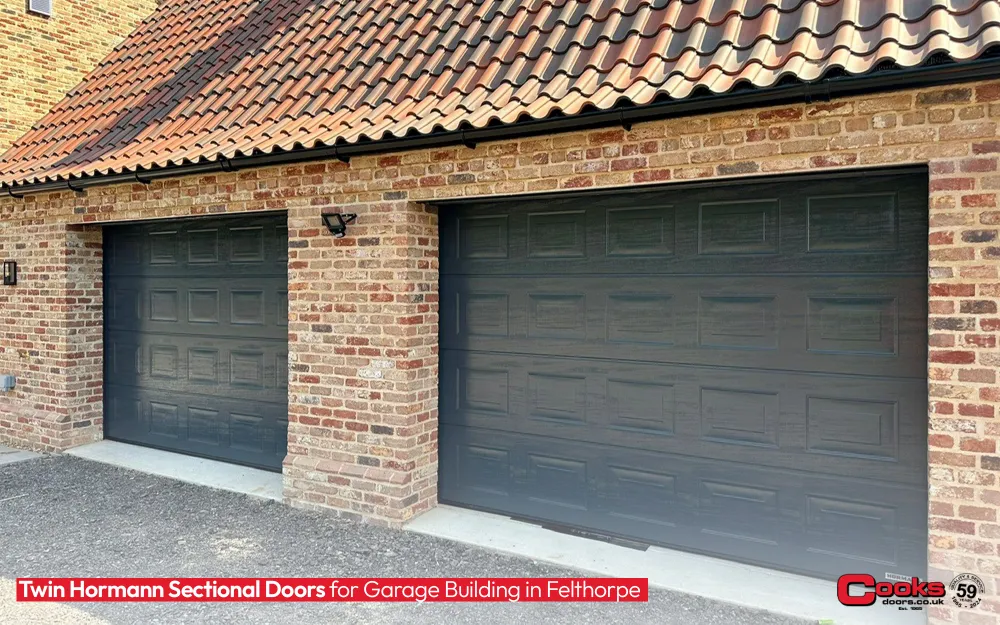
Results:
x,y
332,589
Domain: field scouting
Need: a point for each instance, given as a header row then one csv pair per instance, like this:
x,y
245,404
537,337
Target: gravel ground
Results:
x,y
67,517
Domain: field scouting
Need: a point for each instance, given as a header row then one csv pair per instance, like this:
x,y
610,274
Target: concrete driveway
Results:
x,y
63,516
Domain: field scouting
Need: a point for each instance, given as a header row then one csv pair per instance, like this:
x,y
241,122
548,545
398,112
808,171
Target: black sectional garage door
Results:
x,y
734,369
196,337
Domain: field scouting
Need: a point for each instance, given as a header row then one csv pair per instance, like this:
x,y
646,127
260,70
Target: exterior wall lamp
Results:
x,y
336,223
9,272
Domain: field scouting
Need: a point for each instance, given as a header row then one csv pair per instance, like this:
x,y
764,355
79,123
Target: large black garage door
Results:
x,y
196,337
736,369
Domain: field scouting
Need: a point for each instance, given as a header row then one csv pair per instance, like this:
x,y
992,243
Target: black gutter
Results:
x,y
823,90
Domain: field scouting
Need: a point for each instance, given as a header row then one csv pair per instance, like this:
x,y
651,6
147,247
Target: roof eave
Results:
x,y
822,90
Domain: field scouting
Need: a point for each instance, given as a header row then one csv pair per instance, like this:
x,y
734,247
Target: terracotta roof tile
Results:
x,y
203,80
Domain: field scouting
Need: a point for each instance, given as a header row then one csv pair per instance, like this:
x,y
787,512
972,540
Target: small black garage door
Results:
x,y
737,369
196,337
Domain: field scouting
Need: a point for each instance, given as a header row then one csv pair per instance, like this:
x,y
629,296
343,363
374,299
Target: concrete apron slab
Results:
x,y
713,578
201,471
10,455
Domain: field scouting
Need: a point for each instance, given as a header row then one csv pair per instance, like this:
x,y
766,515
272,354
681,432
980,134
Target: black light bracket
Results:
x,y
336,223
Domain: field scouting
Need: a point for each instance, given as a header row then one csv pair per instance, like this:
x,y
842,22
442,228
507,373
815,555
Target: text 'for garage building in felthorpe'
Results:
x,y
719,276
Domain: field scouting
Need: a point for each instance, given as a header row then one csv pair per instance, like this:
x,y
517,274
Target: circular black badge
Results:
x,y
967,590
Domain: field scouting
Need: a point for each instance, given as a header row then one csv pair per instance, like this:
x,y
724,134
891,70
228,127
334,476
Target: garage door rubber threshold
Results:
x,y
693,574
200,471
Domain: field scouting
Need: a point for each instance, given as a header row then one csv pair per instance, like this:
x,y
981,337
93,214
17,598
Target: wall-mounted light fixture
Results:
x,y
9,272
336,223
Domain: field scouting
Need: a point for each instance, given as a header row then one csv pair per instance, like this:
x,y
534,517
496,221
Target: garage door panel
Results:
x,y
252,370
738,369
196,337
243,431
847,425
806,521
863,225
821,324
250,245
200,306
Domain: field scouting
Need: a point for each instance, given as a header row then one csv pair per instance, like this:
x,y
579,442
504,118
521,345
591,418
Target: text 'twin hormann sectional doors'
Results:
x,y
196,337
733,369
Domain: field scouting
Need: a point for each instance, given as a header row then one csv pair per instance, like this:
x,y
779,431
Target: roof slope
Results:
x,y
202,80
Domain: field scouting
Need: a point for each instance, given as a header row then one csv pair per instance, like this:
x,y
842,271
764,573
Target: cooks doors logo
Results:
x,y
906,594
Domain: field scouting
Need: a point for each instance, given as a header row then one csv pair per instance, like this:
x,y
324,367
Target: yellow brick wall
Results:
x,y
42,58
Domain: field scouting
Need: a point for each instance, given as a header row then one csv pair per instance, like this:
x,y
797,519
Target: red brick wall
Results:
x,y
50,335
363,309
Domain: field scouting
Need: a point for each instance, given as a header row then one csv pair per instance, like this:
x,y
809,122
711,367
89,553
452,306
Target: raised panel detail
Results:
x,y
281,243
557,316
642,495
853,325
203,306
163,305
557,397
739,417
163,362
246,369
853,223
282,312
203,246
247,308
281,370
738,322
852,427
557,481
731,505
163,248
484,469
557,235
640,318
851,529
127,361
246,432
746,227
203,425
125,409
203,365
482,237
246,244
641,231
163,419
125,304
128,250
641,405
484,314
483,391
